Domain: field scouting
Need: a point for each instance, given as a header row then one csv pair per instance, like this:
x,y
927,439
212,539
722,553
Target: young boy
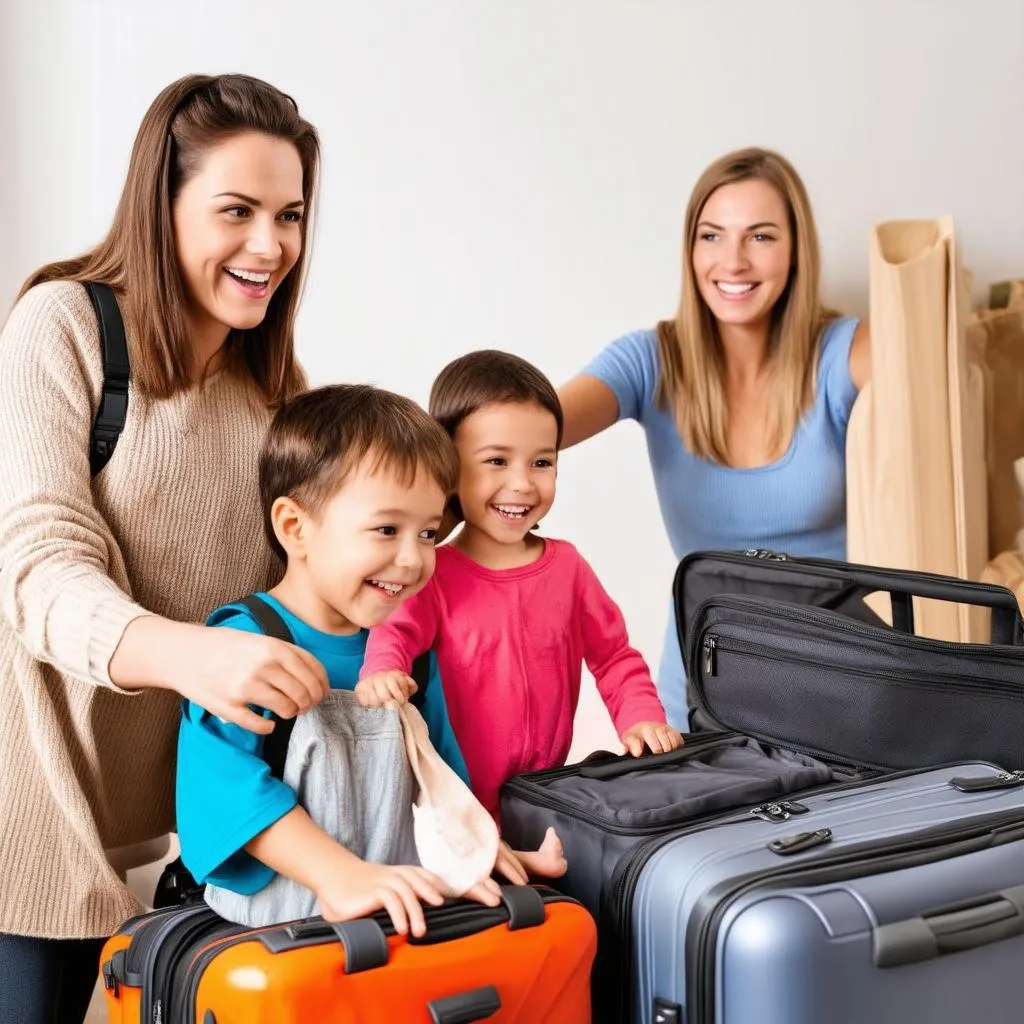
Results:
x,y
353,482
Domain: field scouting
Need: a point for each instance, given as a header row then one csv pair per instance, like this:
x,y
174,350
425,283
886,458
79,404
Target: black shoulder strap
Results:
x,y
420,676
114,398
275,746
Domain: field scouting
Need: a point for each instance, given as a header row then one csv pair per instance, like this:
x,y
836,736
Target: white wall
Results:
x,y
514,174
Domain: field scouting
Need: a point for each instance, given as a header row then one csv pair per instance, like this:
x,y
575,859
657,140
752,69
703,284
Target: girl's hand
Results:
x,y
658,737
377,690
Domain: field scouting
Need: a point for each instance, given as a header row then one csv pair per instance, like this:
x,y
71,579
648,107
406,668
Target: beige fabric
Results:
x,y
455,837
171,525
1007,568
996,341
915,444
124,858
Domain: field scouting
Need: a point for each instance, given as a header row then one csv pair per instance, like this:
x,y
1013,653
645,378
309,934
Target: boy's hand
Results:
x,y
359,888
487,892
375,691
508,864
657,736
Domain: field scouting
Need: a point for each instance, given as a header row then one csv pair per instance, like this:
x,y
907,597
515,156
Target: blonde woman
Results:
x,y
745,397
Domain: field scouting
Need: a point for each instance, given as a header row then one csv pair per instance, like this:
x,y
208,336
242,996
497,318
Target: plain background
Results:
x,y
514,175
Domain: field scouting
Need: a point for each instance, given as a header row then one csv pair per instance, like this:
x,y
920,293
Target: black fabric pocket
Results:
x,y
729,774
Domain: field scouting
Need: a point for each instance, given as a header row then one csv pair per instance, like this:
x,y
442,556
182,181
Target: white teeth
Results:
x,y
391,588
249,275
735,289
513,510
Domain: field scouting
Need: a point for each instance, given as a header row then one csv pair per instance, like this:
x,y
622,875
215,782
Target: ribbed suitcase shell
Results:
x,y
720,934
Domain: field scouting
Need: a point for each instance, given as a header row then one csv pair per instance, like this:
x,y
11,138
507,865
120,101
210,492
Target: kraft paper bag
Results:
x,y
916,490
1007,568
996,341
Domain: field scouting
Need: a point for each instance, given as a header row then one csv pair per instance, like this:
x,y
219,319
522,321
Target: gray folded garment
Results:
x,y
349,769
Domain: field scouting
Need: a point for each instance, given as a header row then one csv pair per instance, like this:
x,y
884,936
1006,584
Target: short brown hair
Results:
x,y
317,439
480,378
139,257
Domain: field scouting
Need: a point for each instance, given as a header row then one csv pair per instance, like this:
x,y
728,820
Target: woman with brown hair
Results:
x,y
745,396
104,576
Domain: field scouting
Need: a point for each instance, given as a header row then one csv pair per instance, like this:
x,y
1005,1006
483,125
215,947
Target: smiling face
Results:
x,y
743,251
365,550
237,225
507,459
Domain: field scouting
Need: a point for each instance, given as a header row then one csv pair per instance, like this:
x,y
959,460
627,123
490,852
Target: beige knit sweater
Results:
x,y
172,525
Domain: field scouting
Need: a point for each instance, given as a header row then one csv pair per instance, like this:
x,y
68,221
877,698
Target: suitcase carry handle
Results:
x,y
478,1004
967,925
365,940
623,764
901,590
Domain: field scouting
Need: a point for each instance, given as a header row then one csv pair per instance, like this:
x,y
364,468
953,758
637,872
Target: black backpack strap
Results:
x,y
113,406
420,676
275,746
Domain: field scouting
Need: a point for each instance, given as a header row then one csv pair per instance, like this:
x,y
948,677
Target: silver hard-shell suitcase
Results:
x,y
898,900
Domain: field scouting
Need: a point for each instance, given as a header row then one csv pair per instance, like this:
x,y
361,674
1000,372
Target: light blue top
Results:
x,y
795,505
225,793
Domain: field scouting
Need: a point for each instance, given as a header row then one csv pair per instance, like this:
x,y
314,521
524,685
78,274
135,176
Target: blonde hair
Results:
x,y
691,380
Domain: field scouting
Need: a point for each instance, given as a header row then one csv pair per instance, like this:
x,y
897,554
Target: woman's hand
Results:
x,y
222,670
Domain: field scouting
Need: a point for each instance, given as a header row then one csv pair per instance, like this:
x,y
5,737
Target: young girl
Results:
x,y
512,616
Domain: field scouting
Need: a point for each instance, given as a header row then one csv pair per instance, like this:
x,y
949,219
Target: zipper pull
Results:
x,y
774,814
981,783
800,842
710,643
795,807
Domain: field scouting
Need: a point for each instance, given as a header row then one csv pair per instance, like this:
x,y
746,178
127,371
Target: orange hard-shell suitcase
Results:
x,y
527,961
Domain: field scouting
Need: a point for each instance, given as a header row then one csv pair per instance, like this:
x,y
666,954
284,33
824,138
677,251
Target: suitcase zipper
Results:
x,y
713,642
150,946
841,623
926,846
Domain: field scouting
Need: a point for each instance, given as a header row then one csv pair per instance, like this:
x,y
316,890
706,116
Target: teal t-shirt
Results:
x,y
225,793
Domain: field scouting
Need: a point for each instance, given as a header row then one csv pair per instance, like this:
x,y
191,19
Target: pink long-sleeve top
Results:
x,y
510,645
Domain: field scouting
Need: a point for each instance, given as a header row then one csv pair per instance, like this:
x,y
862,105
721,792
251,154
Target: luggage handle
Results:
x,y
1005,610
477,1004
625,763
951,929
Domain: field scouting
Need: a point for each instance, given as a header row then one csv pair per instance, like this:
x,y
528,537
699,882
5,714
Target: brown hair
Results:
x,y
317,439
691,381
479,378
139,260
